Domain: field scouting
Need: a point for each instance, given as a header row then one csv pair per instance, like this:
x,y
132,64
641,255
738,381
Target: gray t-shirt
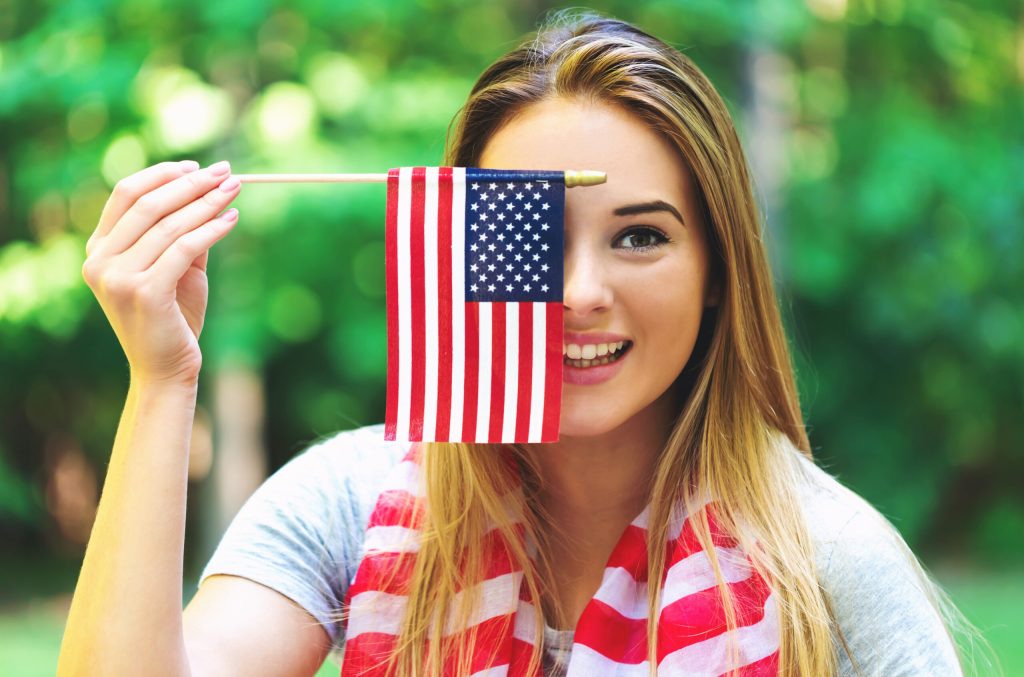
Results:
x,y
301,532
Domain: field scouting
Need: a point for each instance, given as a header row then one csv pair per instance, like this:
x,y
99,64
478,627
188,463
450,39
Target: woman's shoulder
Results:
x,y
881,596
359,458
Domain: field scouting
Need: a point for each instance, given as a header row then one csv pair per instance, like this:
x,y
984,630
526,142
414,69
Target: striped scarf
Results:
x,y
611,634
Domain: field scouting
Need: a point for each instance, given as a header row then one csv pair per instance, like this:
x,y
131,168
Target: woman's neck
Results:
x,y
603,479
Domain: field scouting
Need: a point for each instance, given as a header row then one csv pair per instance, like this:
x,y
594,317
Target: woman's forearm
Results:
x,y
126,614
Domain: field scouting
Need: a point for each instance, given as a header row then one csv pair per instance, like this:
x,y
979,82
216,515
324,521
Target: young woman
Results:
x,y
679,526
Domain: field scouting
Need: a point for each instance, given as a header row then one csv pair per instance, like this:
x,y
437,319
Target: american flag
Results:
x,y
473,260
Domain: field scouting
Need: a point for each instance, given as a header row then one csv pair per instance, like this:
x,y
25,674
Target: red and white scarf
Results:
x,y
611,635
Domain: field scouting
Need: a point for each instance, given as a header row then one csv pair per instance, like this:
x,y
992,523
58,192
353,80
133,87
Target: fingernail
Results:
x,y
230,184
188,166
230,215
222,167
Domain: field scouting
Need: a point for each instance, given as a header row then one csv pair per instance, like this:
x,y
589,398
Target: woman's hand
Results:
x,y
146,263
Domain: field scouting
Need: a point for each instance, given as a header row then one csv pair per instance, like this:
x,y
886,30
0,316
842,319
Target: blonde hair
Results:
x,y
741,417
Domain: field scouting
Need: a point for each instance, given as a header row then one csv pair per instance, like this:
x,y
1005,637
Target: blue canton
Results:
x,y
514,233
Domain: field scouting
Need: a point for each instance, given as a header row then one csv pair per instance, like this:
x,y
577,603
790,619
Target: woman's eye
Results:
x,y
642,239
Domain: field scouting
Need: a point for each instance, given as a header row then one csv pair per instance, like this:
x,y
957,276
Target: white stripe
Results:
x,y
695,573
587,661
375,611
508,426
458,300
391,539
526,623
430,315
710,657
537,380
499,671
483,393
404,305
622,592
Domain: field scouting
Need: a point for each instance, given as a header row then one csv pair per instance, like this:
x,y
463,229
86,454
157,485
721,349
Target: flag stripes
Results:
x,y
459,370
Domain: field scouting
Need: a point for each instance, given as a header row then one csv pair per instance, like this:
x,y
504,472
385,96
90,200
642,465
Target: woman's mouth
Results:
x,y
594,354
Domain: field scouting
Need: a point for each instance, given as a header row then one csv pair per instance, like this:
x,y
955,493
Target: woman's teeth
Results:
x,y
592,354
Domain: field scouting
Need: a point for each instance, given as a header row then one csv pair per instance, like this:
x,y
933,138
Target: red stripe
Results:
x,y
497,406
397,508
685,622
552,373
391,294
701,616
444,301
472,348
525,372
419,302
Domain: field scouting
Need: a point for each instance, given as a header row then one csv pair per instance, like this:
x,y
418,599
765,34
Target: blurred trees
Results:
x,y
894,166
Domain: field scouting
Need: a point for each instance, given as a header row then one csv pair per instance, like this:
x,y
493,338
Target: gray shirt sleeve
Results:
x,y
874,582
881,605
301,531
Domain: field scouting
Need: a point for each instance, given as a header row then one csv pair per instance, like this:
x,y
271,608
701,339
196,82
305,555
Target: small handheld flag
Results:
x,y
474,304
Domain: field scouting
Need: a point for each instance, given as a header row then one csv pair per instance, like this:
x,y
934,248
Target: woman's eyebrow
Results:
x,y
646,207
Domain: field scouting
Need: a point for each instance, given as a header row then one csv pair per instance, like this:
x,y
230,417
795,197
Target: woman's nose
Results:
x,y
585,289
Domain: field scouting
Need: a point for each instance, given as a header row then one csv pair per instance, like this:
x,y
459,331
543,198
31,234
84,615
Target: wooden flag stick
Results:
x,y
573,178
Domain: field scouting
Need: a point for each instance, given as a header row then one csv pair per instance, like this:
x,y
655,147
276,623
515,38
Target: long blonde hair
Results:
x,y
740,417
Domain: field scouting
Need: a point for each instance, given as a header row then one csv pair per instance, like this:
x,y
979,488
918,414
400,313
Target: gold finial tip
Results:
x,y
584,177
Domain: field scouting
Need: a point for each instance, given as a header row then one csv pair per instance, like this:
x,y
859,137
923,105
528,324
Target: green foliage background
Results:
x,y
895,230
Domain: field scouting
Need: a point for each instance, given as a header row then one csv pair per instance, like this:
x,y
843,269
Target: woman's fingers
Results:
x,y
154,241
179,256
131,188
150,209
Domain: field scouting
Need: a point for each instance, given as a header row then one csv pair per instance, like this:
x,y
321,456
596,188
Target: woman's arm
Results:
x,y
126,613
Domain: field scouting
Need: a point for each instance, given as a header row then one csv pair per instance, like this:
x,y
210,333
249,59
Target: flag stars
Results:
x,y
544,267
508,287
490,288
493,186
544,246
491,247
473,288
536,196
526,287
501,196
519,196
543,287
545,206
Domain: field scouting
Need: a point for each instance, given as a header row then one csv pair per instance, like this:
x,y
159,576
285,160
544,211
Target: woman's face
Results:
x,y
633,273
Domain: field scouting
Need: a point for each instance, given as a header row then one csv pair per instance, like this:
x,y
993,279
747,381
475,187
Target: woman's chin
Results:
x,y
585,424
